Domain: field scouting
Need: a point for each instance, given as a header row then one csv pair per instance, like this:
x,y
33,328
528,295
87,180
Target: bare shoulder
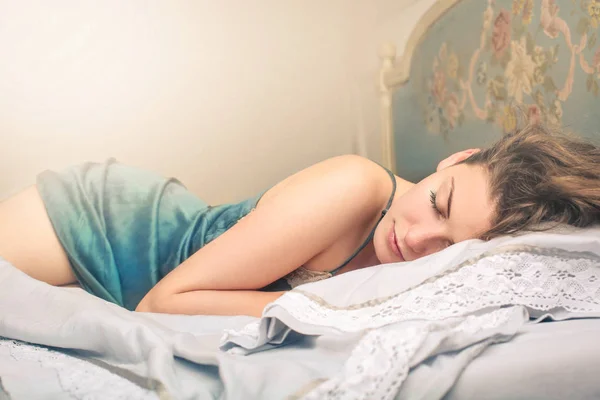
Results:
x,y
363,180
360,169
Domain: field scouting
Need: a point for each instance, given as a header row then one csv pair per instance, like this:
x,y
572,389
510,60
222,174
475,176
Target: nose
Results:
x,y
425,239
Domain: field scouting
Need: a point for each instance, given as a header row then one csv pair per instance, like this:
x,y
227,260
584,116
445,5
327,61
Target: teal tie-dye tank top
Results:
x,y
124,228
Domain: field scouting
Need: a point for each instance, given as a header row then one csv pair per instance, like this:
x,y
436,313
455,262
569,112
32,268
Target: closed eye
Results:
x,y
432,199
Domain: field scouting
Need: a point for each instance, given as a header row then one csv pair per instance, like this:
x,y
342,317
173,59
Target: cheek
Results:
x,y
411,209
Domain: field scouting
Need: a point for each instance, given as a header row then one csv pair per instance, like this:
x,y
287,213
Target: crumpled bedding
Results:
x,y
393,331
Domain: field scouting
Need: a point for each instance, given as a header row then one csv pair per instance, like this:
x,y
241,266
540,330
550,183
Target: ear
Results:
x,y
456,158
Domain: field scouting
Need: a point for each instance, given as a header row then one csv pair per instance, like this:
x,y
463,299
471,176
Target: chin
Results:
x,y
381,251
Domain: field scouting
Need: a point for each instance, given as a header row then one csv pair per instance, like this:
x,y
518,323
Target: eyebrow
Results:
x,y
450,196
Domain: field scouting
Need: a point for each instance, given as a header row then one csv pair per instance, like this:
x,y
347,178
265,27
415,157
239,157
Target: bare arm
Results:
x,y
296,220
214,302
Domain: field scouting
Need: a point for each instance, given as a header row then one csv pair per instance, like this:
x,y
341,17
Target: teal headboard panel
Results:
x,y
479,59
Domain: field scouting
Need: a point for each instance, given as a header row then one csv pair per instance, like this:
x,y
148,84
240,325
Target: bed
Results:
x,y
513,318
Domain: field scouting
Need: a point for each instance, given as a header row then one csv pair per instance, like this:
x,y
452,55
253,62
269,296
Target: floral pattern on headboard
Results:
x,y
510,67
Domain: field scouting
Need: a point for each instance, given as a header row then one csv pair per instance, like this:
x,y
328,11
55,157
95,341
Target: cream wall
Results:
x,y
385,21
229,96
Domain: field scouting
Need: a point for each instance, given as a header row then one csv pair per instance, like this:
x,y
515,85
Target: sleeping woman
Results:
x,y
147,244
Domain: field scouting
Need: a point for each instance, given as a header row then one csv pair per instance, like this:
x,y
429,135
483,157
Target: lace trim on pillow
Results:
x,y
540,282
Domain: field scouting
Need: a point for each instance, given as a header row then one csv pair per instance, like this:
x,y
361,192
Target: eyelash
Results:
x,y
432,199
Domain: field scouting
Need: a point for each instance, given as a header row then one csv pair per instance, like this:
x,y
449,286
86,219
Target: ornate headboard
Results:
x,y
468,63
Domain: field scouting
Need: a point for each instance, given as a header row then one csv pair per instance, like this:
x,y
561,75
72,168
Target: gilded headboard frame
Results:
x,y
395,72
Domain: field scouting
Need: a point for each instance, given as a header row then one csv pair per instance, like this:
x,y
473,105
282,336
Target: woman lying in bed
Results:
x,y
147,244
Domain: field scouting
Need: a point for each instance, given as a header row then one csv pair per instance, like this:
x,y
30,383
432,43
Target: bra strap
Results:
x,y
372,233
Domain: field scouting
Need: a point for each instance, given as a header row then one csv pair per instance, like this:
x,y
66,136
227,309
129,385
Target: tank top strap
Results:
x,y
372,233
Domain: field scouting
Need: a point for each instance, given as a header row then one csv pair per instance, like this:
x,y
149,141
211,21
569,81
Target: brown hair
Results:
x,y
540,175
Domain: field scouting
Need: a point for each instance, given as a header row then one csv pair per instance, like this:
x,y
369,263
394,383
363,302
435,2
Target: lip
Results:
x,y
393,242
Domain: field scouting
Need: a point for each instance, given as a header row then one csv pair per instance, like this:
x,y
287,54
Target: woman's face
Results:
x,y
447,207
